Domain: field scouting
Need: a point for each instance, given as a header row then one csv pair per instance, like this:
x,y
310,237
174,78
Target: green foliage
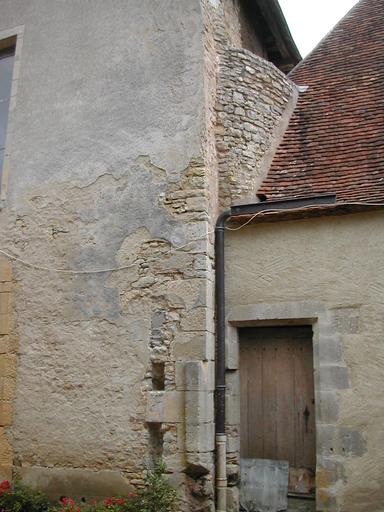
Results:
x,y
157,496
18,498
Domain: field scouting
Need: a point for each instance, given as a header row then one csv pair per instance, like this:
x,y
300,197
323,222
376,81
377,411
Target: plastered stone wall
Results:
x,y
108,169
327,269
114,164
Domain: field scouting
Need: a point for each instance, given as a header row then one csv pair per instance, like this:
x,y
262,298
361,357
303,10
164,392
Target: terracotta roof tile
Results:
x,y
335,138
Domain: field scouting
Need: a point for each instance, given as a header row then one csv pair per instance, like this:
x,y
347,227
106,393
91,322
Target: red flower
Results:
x,y
5,485
131,495
67,502
120,501
108,502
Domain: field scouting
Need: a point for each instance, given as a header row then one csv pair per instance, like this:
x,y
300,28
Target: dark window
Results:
x,y
7,58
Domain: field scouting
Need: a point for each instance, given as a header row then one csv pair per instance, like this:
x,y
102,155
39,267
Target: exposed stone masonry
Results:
x,y
8,349
253,101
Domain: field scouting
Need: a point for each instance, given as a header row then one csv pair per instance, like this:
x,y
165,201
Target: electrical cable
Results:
x,y
178,248
93,271
269,210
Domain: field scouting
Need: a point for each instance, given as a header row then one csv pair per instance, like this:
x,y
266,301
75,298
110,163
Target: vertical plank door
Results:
x,y
277,400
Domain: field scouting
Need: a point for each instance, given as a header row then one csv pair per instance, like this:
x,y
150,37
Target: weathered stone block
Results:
x,y
200,438
198,319
7,388
4,303
199,463
207,293
4,323
155,407
346,320
144,282
328,406
184,291
282,311
180,429
174,406
4,344
5,449
75,482
195,375
352,442
233,443
232,409
5,270
232,398
232,379
329,349
233,499
198,346
326,439
199,407
232,349
8,365
177,477
333,377
165,406
195,231
238,98
5,472
5,413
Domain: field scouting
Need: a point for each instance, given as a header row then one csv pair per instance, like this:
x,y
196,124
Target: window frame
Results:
x,y
13,40
7,53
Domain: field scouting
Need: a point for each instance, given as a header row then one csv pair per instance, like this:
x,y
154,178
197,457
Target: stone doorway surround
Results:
x,y
330,377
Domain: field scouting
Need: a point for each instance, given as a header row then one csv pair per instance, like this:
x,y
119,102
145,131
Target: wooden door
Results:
x,y
277,400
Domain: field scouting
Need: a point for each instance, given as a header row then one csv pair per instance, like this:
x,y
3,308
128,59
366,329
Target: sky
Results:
x,y
310,20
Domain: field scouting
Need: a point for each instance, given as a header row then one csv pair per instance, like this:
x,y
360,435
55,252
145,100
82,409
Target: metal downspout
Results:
x,y
221,441
244,209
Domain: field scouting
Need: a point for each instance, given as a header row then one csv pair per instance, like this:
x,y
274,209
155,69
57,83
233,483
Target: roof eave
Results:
x,y
283,40
307,212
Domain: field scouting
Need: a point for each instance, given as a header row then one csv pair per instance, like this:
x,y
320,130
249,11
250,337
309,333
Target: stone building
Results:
x,y
126,128
305,284
123,124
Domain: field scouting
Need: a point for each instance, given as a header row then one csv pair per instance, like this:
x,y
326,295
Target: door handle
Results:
x,y
306,417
